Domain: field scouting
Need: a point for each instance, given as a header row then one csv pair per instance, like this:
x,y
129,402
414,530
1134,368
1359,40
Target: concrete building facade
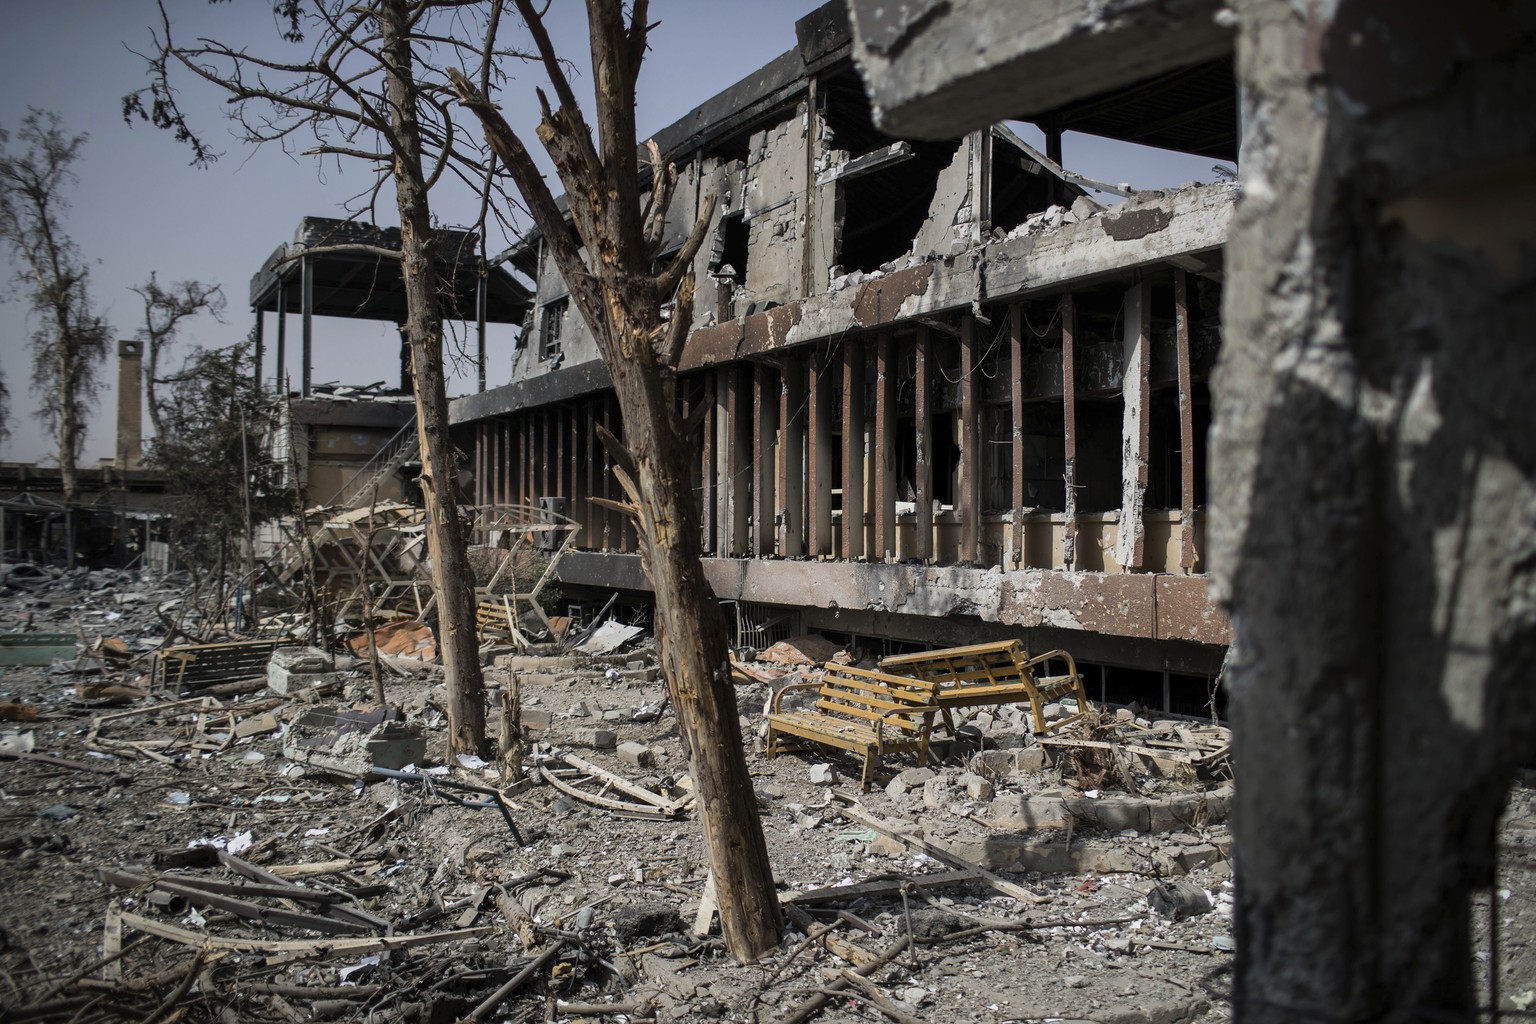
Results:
x,y
942,395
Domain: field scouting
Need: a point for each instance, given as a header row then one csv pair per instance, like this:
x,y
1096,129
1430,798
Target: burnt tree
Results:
x,y
358,90
620,295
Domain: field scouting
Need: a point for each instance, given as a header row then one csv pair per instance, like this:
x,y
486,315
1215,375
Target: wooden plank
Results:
x,y
857,813
883,887
307,947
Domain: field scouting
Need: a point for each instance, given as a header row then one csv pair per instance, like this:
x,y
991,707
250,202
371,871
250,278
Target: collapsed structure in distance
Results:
x,y
943,395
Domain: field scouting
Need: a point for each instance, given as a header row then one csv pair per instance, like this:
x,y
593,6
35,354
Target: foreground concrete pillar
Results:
x,y
1373,484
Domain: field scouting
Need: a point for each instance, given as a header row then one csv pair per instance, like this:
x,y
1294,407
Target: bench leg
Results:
x,y
869,769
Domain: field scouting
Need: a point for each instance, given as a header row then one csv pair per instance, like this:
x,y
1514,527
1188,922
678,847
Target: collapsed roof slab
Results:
x,y
935,67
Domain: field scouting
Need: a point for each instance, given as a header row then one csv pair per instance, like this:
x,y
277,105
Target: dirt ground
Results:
x,y
606,901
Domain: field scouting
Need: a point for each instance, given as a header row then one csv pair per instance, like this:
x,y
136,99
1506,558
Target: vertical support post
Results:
x,y
1135,432
261,349
590,515
1187,554
853,449
969,498
981,182
922,408
480,300
724,486
573,485
1069,427
707,466
482,459
544,453
792,441
738,500
885,448
307,306
822,401
765,399
1016,380
811,193
282,337
609,540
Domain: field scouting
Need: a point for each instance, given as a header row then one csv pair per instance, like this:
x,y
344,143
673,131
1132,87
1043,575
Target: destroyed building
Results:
x,y
944,396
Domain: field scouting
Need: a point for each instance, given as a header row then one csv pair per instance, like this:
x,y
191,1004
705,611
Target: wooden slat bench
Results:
x,y
860,710
1001,672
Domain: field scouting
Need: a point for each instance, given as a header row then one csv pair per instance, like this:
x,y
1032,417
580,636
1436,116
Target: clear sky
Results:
x,y
140,207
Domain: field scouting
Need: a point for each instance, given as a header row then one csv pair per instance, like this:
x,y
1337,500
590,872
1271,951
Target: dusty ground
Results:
x,y
621,893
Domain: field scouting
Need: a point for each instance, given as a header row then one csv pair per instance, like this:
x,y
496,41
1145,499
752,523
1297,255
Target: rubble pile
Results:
x,y
288,850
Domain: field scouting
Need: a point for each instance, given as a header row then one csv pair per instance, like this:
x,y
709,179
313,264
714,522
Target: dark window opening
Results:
x,y
552,328
1021,187
1099,426
1133,686
1166,466
1200,403
883,211
729,259
1045,463
1193,696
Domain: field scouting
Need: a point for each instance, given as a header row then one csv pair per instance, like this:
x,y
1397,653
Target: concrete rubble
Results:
x,y
1038,880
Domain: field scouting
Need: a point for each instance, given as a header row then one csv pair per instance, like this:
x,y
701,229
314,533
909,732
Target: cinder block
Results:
x,y
599,739
637,754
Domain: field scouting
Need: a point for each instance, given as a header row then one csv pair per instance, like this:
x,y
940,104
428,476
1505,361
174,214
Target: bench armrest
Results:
x,y
778,697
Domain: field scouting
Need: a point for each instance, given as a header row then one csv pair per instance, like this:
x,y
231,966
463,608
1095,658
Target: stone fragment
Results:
x,y
823,775
907,781
599,739
637,754
976,787
1029,759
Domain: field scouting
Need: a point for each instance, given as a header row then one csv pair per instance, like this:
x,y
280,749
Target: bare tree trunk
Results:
x,y
69,421
452,578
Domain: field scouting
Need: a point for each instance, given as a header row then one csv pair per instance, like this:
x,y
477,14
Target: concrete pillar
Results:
x,y
130,405
1135,434
1373,495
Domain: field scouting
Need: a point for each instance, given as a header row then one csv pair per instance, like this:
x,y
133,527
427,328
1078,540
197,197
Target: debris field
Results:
x,y
275,846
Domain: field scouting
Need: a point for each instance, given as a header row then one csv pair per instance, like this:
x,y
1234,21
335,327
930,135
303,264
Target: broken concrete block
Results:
x,y
823,775
1017,811
885,846
907,781
1053,712
536,718
598,739
1029,759
292,669
1192,857
637,754
938,792
993,763
256,725
976,787
354,742
613,715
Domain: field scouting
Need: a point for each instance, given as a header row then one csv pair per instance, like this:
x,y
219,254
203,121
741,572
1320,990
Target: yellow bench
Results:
x,y
860,710
1001,672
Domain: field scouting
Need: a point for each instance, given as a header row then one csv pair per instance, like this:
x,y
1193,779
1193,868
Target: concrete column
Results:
x,y
922,405
968,501
1135,433
130,405
1373,496
307,312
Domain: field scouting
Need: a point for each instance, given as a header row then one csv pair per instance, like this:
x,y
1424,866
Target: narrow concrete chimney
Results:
x,y
130,405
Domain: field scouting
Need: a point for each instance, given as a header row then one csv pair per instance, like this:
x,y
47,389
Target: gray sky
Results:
x,y
139,205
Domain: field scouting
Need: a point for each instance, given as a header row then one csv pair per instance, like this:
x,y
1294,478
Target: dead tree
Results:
x,y
620,297
360,93
70,339
164,310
